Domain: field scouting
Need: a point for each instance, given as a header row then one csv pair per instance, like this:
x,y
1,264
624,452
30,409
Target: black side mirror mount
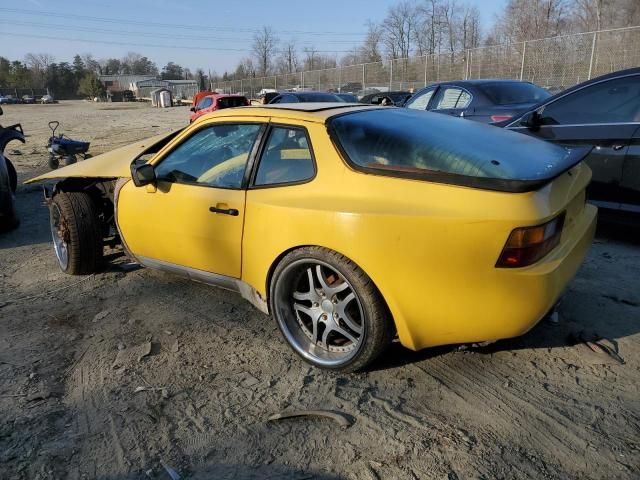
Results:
x,y
532,119
193,109
143,175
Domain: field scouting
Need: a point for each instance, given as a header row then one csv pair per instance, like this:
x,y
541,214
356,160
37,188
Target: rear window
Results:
x,y
318,97
427,146
505,93
230,102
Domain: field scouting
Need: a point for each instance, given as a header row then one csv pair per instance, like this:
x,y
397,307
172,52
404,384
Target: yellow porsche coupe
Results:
x,y
349,224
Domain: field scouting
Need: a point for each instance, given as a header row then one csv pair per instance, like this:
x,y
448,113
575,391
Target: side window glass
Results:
x,y
613,101
464,100
453,97
286,158
421,102
214,157
204,103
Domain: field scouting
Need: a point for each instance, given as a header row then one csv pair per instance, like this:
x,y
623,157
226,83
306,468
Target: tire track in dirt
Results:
x,y
538,423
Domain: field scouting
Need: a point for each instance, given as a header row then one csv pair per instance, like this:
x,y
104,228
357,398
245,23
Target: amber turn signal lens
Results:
x,y
527,245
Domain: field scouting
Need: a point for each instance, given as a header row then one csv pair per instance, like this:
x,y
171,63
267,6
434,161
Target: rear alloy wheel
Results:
x,y
329,310
76,233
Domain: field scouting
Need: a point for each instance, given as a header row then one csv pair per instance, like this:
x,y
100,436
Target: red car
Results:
x,y
217,101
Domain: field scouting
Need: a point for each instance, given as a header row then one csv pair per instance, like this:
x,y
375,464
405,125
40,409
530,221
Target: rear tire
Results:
x,y
54,163
328,310
70,160
76,232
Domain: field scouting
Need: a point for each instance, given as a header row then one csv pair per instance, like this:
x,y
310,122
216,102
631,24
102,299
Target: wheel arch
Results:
x,y
385,299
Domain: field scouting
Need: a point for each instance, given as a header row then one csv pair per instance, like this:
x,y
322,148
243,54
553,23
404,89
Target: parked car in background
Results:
x,y
304,97
8,100
200,95
47,99
266,97
259,200
217,101
603,114
28,99
347,97
486,101
350,87
8,177
397,99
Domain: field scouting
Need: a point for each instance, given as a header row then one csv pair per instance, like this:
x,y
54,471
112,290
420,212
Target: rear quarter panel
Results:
x,y
429,248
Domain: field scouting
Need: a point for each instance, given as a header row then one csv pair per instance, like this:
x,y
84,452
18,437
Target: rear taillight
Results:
x,y
527,245
500,118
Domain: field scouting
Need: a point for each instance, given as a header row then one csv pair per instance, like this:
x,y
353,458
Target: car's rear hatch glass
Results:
x,y
435,147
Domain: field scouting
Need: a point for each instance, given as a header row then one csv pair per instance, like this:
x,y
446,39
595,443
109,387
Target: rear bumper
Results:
x,y
515,300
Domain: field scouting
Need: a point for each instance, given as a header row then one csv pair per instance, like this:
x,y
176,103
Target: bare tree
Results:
x,y
398,28
310,58
289,57
371,48
592,15
264,47
531,19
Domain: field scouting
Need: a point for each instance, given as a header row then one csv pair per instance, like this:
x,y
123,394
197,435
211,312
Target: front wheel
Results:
x,y
13,175
329,310
76,233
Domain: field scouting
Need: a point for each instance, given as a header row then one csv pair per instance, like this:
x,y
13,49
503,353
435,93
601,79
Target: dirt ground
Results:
x,y
77,401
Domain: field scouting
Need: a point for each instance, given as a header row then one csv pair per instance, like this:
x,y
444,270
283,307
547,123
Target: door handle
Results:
x,y
618,147
226,211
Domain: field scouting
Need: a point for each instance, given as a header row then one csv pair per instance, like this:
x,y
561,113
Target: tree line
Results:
x,y
80,77
410,27
425,27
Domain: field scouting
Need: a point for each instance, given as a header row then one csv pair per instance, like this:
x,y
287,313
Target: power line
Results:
x,y
141,34
149,45
166,25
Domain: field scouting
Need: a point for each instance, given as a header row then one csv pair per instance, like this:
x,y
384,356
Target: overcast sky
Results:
x,y
194,33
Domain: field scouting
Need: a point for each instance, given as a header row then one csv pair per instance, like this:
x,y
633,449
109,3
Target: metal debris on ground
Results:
x,y
170,471
100,316
344,420
598,344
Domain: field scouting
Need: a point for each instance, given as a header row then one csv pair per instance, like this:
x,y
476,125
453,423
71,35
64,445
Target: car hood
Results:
x,y
113,164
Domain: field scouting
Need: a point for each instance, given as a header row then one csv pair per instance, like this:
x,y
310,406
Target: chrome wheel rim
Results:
x,y
60,235
319,312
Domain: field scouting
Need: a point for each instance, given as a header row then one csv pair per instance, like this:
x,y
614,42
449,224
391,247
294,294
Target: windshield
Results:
x,y
509,93
422,145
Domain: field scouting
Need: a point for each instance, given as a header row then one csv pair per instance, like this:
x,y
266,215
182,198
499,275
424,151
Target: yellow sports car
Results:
x,y
349,224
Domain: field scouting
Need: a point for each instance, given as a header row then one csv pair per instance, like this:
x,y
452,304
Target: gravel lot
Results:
x,y
539,406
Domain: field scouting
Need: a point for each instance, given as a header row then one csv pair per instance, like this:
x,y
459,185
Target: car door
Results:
x,y
451,100
422,99
192,217
603,115
630,183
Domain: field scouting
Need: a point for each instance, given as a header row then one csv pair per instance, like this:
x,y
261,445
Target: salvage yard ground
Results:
x,y
199,370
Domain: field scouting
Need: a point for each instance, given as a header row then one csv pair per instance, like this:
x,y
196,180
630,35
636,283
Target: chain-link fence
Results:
x,y
554,63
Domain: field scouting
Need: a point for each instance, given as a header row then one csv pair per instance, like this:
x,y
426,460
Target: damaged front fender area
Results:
x,y
9,134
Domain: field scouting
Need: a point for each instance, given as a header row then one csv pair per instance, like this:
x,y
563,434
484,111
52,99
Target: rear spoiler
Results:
x,y
574,156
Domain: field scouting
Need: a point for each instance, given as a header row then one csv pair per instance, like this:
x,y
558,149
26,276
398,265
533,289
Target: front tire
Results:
x,y
329,310
13,175
76,233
